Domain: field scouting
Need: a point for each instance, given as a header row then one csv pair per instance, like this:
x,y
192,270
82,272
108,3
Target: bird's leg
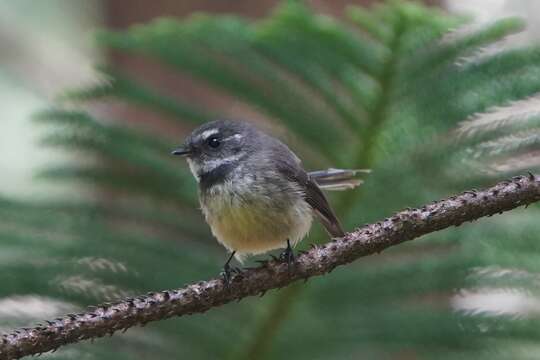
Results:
x,y
288,255
226,273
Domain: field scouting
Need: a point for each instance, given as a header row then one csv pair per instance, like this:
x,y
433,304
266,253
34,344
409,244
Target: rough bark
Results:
x,y
202,296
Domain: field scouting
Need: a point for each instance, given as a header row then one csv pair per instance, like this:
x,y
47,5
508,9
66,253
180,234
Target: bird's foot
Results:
x,y
237,270
288,256
226,274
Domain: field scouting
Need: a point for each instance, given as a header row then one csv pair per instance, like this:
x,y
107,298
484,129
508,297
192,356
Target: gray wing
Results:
x,y
313,195
316,199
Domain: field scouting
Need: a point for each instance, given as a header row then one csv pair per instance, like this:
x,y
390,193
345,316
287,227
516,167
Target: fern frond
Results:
x,y
401,88
226,67
120,86
450,50
501,117
523,140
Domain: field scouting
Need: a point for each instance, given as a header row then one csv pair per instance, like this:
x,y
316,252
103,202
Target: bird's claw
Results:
x,y
237,270
226,274
288,256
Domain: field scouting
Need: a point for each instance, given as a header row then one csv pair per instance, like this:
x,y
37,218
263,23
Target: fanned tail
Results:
x,y
337,179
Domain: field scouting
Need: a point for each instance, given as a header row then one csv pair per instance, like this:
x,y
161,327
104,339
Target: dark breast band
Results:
x,y
215,176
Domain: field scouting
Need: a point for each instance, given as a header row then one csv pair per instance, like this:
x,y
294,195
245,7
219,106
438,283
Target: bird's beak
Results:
x,y
181,151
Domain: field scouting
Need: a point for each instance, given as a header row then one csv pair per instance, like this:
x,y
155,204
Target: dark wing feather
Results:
x,y
313,195
317,200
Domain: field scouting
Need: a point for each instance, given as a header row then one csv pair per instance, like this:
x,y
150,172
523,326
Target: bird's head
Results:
x,y
217,145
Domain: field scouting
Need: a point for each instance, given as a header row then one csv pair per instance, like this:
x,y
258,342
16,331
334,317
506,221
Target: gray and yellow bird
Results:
x,y
253,191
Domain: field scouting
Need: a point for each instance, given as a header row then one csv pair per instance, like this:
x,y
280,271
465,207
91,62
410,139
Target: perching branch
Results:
x,y
202,296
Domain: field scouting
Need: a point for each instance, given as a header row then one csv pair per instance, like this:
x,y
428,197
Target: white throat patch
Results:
x,y
194,169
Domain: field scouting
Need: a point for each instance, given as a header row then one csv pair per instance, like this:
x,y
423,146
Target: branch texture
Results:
x,y
202,296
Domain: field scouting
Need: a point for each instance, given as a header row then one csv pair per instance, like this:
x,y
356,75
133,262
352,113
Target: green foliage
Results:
x,y
391,88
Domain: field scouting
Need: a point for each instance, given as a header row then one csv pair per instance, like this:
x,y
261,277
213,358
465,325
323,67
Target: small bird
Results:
x,y
253,191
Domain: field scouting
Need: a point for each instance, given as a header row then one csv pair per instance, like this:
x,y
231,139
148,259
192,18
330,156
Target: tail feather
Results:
x,y
337,179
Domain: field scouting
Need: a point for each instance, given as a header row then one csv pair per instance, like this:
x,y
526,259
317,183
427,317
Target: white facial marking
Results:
x,y
195,169
210,165
235,136
207,133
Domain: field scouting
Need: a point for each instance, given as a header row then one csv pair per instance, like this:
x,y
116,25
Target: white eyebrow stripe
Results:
x,y
207,133
235,136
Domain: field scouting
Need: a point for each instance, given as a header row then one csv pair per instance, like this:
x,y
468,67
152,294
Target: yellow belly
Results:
x,y
254,229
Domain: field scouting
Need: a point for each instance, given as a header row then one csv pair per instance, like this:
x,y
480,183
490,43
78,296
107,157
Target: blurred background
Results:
x,y
436,97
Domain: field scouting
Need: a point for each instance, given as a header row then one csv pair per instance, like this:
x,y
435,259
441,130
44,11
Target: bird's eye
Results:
x,y
213,142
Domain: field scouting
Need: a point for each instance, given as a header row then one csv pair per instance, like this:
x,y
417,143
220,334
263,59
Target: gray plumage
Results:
x,y
253,191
